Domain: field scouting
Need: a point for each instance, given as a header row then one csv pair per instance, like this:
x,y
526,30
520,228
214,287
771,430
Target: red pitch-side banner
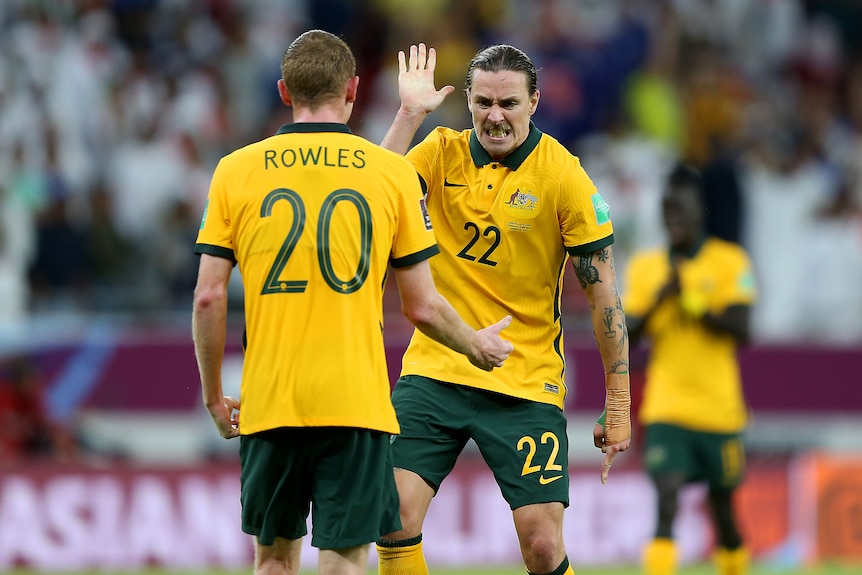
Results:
x,y
124,517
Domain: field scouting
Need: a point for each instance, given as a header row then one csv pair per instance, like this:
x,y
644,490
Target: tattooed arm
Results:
x,y
612,432
598,279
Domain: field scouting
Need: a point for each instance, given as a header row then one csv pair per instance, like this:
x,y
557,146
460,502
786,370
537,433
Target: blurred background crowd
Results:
x,y
113,115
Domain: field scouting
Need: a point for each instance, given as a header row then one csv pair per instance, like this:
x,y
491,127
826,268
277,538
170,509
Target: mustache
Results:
x,y
489,126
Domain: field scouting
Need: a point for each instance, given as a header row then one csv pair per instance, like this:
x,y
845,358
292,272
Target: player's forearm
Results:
x,y
209,321
402,130
609,325
595,271
611,332
439,321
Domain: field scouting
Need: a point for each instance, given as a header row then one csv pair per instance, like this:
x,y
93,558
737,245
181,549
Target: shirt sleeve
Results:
x,y
585,218
215,236
737,286
414,235
423,156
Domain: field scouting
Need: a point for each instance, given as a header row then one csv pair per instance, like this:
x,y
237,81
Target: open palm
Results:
x,y
416,80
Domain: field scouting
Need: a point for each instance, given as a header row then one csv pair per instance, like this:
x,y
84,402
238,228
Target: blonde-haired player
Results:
x,y
314,217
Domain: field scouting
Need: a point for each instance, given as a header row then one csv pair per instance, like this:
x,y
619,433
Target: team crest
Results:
x,y
522,205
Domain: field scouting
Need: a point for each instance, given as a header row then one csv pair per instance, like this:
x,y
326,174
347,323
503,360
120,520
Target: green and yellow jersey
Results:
x,y
692,378
313,216
505,231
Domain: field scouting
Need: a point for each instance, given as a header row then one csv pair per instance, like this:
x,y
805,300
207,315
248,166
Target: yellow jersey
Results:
x,y
692,377
505,230
313,216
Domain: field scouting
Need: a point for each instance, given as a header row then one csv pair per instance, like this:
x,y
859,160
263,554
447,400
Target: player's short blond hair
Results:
x,y
316,67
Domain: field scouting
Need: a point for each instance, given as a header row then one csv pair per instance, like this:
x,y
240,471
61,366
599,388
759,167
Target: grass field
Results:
x,y
705,569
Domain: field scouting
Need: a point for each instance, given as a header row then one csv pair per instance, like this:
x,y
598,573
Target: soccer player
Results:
x,y
510,205
692,299
314,216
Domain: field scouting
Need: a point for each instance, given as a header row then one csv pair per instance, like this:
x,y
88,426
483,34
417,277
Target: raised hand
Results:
x,y
416,80
491,350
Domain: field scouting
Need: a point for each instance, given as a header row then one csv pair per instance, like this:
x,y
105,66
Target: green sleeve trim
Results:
x,y
415,258
601,419
216,251
589,248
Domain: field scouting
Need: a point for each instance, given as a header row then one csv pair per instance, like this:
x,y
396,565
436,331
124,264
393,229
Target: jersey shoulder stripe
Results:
x,y
217,251
415,258
591,247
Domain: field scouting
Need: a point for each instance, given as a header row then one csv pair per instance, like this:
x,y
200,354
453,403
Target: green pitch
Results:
x,y
706,569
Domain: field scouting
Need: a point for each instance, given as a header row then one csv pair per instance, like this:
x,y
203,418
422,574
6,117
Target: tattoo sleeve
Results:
x,y
586,271
596,274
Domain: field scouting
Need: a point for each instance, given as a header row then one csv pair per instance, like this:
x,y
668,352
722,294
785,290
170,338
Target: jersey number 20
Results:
x,y
274,284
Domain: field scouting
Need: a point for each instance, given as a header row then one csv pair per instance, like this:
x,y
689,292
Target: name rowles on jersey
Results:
x,y
314,156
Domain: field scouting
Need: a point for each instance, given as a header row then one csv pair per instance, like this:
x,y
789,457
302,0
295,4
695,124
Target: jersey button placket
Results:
x,y
492,185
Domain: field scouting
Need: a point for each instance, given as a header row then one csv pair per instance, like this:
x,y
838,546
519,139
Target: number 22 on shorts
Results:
x,y
548,471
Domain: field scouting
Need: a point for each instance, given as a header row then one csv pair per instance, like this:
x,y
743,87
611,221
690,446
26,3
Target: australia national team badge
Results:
x,y
425,215
522,204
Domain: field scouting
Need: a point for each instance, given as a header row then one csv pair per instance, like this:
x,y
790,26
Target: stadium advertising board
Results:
x,y
127,517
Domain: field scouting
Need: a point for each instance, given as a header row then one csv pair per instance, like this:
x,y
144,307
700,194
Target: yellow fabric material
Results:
x,y
504,229
313,219
407,560
693,375
660,557
732,561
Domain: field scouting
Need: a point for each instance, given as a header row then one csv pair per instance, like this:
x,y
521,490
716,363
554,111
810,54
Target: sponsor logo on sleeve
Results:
x,y
425,215
204,217
602,209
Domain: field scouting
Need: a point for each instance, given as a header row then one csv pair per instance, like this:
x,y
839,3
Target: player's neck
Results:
x,y
325,114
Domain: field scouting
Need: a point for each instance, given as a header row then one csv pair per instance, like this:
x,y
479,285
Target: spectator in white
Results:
x,y
15,233
21,194
145,176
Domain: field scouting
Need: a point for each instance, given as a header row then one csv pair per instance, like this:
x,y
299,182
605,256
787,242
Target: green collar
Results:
x,y
307,127
513,160
691,253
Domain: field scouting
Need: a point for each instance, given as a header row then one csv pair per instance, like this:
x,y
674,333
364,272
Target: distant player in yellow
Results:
x,y
510,206
692,300
314,217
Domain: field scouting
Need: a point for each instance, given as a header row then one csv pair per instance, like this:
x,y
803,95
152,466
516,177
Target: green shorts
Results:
x,y
523,442
717,458
344,475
